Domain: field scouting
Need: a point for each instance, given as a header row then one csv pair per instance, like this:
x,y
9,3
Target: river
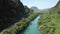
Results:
x,y
33,27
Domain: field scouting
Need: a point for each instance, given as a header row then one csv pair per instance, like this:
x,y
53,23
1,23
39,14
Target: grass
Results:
x,y
49,23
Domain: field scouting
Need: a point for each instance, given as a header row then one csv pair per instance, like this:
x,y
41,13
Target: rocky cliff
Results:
x,y
58,4
11,11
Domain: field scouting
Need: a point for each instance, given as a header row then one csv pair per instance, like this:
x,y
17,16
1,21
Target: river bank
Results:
x,y
21,25
45,24
33,27
49,22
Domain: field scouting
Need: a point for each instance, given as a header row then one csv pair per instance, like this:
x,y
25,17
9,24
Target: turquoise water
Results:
x,y
33,28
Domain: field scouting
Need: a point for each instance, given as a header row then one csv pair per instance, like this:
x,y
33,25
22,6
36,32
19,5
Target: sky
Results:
x,y
41,4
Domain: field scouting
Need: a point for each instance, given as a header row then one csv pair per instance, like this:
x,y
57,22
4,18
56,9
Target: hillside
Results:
x,y
16,18
49,22
11,11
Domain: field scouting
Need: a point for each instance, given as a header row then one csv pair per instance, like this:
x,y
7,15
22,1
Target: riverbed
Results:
x,y
33,27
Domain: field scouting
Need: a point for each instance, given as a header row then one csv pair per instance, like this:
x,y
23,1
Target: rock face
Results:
x,y
58,4
34,8
11,11
27,9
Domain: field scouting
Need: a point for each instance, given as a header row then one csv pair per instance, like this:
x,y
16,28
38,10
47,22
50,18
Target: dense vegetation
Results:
x,y
49,22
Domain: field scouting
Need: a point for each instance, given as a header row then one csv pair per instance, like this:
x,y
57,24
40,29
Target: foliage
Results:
x,y
21,25
49,23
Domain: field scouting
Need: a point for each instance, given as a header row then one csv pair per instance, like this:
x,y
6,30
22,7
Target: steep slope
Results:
x,y
49,23
56,13
18,27
11,11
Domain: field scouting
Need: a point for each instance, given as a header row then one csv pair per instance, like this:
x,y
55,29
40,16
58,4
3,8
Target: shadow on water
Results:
x,y
32,28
